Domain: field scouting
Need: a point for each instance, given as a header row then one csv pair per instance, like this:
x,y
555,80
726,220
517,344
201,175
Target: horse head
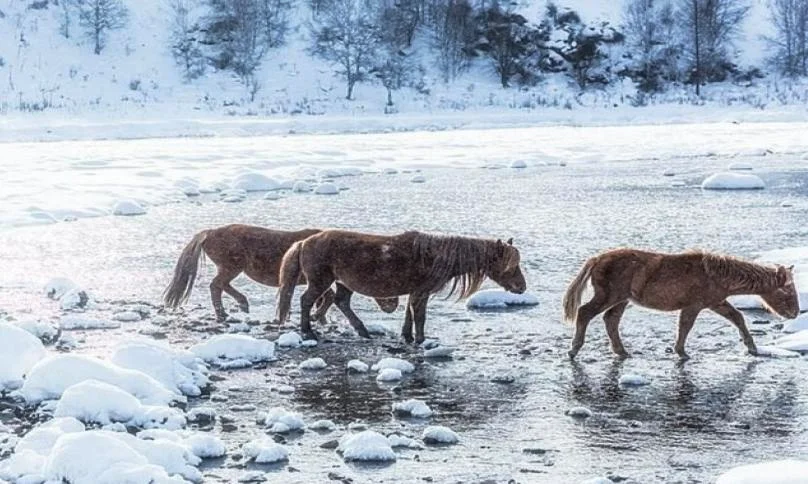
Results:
x,y
504,268
784,299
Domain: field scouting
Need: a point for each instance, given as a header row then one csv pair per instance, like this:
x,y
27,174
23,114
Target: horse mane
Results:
x,y
461,260
739,273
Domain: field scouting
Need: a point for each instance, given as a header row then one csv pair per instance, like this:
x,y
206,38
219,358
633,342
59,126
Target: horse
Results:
x,y
386,266
234,249
687,282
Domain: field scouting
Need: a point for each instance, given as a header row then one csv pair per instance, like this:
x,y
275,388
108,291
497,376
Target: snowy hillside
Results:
x,y
136,73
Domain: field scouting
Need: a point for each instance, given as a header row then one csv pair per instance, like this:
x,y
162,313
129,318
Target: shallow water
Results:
x,y
692,422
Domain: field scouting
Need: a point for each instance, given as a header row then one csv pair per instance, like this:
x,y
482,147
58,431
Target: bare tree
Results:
x,y
275,19
709,28
649,26
454,29
237,31
185,40
790,41
68,10
347,34
98,17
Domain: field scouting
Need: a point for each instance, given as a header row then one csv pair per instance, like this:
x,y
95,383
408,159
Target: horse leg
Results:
x,y
612,320
585,315
240,298
419,316
734,316
343,301
313,291
406,330
686,319
217,285
322,305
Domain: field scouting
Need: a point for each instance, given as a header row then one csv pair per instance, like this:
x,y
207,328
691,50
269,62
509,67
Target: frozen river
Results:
x,y
584,190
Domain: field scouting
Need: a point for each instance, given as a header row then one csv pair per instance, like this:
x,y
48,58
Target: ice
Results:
x,y
794,342
438,434
389,374
800,323
633,380
741,166
289,340
396,363
272,196
788,471
439,352
127,316
20,351
775,352
180,371
418,179
313,364
301,187
326,188
58,287
498,299
205,446
255,182
128,208
357,366
275,415
414,408
83,322
733,181
265,451
579,412
366,446
92,401
234,346
518,164
323,425
397,440
598,480
50,377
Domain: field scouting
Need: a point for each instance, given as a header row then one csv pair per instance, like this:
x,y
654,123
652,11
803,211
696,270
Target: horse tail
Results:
x,y
289,275
572,298
182,283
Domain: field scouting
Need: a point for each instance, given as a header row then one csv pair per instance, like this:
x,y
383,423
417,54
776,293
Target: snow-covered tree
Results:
x,y
509,41
185,40
650,27
236,35
454,30
98,17
275,20
790,41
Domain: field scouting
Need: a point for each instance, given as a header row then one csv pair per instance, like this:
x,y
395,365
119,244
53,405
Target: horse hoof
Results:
x,y
244,309
572,354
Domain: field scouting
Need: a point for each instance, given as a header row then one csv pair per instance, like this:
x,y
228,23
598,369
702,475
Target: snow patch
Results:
x,y
366,446
313,364
798,324
418,179
357,366
733,181
83,322
128,208
234,347
633,380
326,189
279,415
438,434
180,371
323,426
255,182
403,366
289,340
498,299
20,351
389,374
265,451
741,166
414,408
772,472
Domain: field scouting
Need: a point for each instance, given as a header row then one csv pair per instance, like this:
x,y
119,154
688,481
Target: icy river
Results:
x,y
509,384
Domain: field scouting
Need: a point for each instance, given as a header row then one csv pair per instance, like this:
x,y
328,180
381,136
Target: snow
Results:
x,y
83,322
793,342
800,323
733,181
438,434
631,380
397,440
265,451
313,364
357,366
301,186
58,287
414,408
126,316
579,412
518,164
201,414
279,415
326,189
289,340
366,446
272,196
395,363
741,166
92,401
439,352
775,352
20,351
389,374
323,426
498,299
774,472
50,377
128,208
234,346
205,446
179,371
418,179
255,182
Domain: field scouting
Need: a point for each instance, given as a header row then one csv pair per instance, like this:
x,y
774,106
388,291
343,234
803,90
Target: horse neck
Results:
x,y
748,277
453,258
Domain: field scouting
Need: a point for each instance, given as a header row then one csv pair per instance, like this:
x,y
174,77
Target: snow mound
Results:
x,y
44,330
201,414
357,366
92,401
50,377
397,440
518,164
233,195
234,347
58,287
414,408
632,380
579,412
20,351
366,446
438,434
127,316
389,374
740,166
313,364
289,340
323,425
272,196
82,322
773,472
265,451
301,187
279,415
798,324
733,181
418,179
403,366
775,352
498,299
41,439
255,182
439,352
180,371
326,189
669,172
205,446
128,208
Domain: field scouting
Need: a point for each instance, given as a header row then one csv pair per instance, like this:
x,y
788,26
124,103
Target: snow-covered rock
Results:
x,y
20,351
44,330
498,299
389,374
518,164
439,352
234,346
180,371
289,340
272,196
366,446
205,446
292,420
58,287
50,377
733,181
357,366
323,426
633,380
438,434
403,366
255,182
313,364
301,186
265,451
772,472
74,299
128,208
418,179
82,322
397,440
92,401
326,188
579,412
414,408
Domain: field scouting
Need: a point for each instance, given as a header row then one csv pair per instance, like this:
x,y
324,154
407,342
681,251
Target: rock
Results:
x,y
330,444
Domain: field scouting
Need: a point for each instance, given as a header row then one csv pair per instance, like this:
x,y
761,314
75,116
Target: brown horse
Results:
x,y
688,282
234,249
379,266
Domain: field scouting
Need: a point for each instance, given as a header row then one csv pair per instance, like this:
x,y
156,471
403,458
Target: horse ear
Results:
x,y
784,277
791,268
510,242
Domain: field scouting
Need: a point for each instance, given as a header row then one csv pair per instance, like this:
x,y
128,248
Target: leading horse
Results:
x,y
383,266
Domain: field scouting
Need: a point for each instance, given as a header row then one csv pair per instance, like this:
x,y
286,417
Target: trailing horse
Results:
x,y
688,282
234,249
383,266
